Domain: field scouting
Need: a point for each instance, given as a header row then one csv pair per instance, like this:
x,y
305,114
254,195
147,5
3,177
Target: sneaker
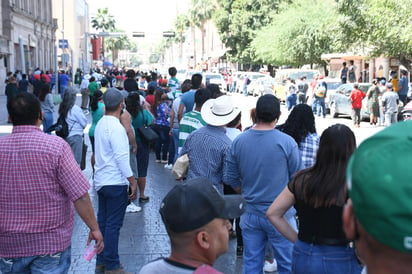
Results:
x,y
168,166
270,267
164,161
133,208
158,161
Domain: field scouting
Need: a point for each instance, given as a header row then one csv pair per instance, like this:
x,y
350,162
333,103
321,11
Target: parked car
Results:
x,y
283,74
261,86
252,76
214,78
332,85
339,102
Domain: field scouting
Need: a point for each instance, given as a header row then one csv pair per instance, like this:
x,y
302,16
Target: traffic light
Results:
x,y
168,34
138,34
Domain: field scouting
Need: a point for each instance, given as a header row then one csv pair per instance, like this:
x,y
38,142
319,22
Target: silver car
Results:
x,y
340,104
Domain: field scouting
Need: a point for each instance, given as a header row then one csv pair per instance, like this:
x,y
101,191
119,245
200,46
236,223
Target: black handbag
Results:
x,y
147,134
84,154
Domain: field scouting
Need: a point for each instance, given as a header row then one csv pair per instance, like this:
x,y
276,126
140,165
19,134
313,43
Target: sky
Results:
x,y
152,17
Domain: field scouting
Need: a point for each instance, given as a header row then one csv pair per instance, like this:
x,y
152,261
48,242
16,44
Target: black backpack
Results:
x,y
60,127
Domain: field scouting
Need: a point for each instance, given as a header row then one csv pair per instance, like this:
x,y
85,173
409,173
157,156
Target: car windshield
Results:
x,y
332,86
310,75
218,77
256,76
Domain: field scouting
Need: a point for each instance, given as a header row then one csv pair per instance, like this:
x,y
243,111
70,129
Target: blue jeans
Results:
x,y
112,207
175,134
245,90
256,232
76,144
320,106
57,263
47,121
291,101
162,143
311,258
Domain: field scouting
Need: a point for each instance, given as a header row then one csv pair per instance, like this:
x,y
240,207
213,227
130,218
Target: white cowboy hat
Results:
x,y
219,111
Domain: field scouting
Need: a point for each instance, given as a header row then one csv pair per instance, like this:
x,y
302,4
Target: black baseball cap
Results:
x,y
197,202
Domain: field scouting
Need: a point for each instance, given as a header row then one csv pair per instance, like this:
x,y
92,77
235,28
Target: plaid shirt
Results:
x,y
207,148
39,182
308,148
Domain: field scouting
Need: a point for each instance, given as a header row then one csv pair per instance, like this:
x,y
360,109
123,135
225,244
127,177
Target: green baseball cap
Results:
x,y
379,178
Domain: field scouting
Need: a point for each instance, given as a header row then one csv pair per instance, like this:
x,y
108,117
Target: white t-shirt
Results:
x,y
112,153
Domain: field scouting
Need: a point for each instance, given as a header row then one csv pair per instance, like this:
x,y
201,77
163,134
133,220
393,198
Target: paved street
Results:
x,y
143,237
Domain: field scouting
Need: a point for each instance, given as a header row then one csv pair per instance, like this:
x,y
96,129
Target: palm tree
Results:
x,y
203,11
193,23
104,22
118,43
181,24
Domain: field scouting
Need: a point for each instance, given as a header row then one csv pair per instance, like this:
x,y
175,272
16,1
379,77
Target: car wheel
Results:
x,y
333,112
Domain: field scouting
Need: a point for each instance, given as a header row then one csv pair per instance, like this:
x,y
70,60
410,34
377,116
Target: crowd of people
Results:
x,y
281,190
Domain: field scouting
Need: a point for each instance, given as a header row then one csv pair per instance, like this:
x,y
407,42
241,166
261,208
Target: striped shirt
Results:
x,y
207,148
40,180
190,122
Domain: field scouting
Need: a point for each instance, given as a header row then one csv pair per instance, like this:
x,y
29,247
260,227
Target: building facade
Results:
x,y
73,28
27,37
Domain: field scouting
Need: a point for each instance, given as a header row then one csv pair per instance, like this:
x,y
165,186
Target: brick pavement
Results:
x,y
143,237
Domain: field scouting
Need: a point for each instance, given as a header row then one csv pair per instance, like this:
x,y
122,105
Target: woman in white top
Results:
x,y
76,121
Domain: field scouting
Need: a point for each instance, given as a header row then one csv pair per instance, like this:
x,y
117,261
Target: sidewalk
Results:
x,y
143,237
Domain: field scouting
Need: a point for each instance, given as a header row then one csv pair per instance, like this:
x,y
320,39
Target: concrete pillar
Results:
x,y
386,68
372,69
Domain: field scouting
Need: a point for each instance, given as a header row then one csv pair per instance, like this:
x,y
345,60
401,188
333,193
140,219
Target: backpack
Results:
x,y
247,81
60,127
320,91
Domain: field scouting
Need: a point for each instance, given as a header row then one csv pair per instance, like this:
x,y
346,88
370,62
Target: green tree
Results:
x,y
103,21
203,10
378,27
299,34
181,24
237,22
118,43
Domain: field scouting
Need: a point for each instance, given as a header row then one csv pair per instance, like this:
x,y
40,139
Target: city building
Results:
x,y
27,36
72,34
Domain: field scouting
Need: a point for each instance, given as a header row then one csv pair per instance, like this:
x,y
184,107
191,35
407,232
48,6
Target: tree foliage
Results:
x,y
299,34
202,10
237,22
118,43
103,20
379,26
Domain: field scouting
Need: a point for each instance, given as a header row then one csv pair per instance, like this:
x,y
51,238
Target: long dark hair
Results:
x,y
157,100
69,99
323,184
133,104
300,123
45,89
97,96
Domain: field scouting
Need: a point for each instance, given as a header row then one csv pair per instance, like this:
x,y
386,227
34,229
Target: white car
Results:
x,y
261,86
252,77
214,78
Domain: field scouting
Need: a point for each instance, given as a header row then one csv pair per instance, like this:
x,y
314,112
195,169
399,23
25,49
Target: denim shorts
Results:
x,y
57,263
311,258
